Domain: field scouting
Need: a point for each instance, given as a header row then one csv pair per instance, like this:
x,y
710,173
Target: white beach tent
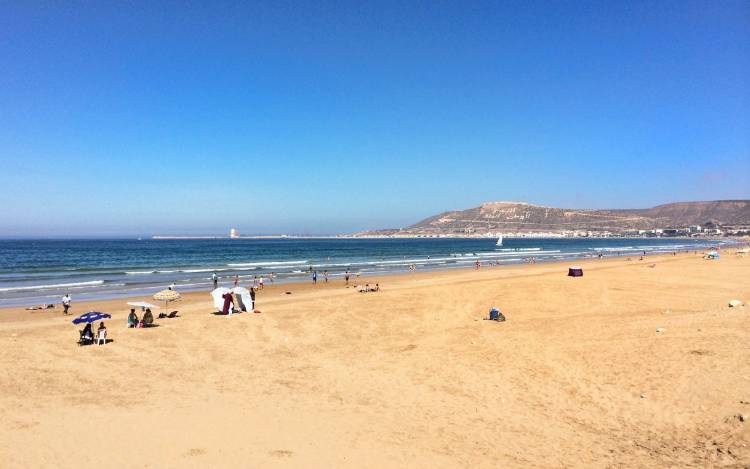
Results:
x,y
218,300
142,304
244,296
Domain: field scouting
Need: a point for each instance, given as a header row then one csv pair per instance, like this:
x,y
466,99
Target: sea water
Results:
x,y
41,271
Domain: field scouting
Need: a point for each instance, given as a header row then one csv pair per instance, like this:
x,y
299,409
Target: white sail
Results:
x,y
499,241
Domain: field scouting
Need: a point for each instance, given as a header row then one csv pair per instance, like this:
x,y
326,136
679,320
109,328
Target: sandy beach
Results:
x,y
410,376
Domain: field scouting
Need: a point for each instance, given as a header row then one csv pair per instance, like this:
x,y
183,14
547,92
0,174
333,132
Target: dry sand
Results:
x,y
407,377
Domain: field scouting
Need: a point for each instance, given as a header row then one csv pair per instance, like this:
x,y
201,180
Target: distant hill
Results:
x,y
520,216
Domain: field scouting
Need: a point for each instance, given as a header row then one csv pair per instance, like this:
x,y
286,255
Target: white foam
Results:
x,y
57,285
140,272
256,264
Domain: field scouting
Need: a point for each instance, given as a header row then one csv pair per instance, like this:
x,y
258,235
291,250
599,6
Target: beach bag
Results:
x,y
496,315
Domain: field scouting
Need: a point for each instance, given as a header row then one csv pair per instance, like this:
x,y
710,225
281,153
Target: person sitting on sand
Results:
x,y
376,287
132,318
148,318
87,333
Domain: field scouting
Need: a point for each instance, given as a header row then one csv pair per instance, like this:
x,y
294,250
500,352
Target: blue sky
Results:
x,y
324,117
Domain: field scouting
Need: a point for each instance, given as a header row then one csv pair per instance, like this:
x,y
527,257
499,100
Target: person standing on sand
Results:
x,y
66,303
315,277
346,277
228,303
215,279
325,275
252,299
260,282
236,280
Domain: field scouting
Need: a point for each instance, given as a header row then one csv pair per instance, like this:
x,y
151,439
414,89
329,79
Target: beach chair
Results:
x,y
84,338
173,314
101,337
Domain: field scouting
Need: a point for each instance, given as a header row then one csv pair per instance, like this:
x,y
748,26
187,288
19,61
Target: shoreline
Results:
x,y
515,257
338,284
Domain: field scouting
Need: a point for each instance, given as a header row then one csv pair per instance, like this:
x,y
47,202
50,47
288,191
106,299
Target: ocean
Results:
x,y
33,272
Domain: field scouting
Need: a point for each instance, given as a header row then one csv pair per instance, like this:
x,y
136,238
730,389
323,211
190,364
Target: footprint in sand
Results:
x,y
281,453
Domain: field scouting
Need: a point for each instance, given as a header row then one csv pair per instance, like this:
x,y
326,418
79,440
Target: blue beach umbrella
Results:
x,y
93,316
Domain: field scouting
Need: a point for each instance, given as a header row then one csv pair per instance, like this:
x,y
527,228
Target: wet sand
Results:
x,y
410,376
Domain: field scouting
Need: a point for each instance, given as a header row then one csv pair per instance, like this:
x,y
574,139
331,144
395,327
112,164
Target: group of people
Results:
x,y
87,334
145,321
258,281
314,274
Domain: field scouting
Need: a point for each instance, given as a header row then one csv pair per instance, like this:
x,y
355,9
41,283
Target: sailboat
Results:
x,y
499,241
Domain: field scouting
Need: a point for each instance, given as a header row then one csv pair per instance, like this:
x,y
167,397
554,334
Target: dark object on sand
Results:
x,y
575,272
496,315
44,306
171,315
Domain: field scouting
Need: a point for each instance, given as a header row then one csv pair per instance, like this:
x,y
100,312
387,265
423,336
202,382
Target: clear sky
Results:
x,y
180,117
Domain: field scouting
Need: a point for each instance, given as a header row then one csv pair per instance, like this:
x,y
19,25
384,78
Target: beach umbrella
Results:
x,y
90,317
166,296
141,304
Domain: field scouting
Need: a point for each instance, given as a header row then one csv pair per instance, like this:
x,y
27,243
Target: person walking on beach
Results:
x,y
271,276
325,275
215,279
260,282
346,277
66,303
252,299
315,277
236,280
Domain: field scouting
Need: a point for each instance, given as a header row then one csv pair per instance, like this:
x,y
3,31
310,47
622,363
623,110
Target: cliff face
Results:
x,y
519,216
724,212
